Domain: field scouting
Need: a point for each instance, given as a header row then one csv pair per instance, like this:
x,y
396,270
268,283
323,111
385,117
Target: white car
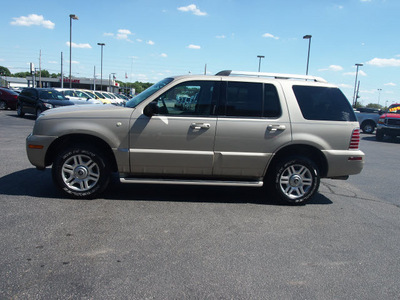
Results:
x,y
77,97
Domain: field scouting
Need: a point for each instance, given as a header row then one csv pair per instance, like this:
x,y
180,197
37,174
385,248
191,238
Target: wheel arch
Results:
x,y
307,151
73,139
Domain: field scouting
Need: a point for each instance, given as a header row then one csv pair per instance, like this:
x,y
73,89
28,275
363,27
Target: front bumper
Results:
x,y
36,149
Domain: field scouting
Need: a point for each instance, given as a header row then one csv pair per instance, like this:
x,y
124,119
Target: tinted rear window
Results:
x,y
323,103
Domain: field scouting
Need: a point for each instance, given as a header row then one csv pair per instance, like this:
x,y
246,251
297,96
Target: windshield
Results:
x,y
394,109
148,92
51,95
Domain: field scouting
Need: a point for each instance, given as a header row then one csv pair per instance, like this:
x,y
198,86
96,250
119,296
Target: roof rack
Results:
x,y
274,75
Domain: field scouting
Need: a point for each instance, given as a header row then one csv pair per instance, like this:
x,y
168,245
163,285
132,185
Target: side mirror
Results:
x,y
151,109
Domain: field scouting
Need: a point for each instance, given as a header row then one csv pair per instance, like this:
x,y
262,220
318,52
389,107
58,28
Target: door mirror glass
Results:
x,y
151,109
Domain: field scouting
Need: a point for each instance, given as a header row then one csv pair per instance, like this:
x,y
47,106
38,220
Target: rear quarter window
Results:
x,y
323,103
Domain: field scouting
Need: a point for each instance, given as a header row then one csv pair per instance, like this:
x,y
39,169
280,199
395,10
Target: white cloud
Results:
x,y
344,85
150,42
361,73
163,55
191,46
108,34
53,62
123,34
33,19
192,8
334,68
384,62
390,84
139,40
83,46
268,35
220,36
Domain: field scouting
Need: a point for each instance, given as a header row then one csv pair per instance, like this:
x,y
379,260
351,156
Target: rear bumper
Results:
x,y
344,162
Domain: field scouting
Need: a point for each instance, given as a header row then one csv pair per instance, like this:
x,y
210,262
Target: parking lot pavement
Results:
x,y
181,242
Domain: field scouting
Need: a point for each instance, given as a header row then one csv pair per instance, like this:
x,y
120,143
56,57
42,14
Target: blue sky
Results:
x,y
152,39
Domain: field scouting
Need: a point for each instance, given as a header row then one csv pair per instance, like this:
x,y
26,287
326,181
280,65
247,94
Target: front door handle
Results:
x,y
276,127
200,125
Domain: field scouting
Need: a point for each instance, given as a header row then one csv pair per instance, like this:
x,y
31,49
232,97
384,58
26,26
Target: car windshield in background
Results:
x,y
51,95
394,109
148,92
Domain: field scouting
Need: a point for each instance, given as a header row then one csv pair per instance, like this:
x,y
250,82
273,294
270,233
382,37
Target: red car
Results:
x,y
8,99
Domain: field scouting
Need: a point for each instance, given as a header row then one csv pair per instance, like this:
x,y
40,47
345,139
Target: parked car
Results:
x,y
389,123
92,95
284,132
368,118
36,100
77,97
8,99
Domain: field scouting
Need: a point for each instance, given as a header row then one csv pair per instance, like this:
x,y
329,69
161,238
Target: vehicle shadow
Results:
x,y
386,139
41,185
27,116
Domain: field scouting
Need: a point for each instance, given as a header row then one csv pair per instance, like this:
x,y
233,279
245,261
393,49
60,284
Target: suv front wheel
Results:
x,y
20,113
296,180
81,172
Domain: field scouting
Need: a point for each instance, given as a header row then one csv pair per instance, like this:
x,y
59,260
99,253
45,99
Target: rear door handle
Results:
x,y
200,125
276,127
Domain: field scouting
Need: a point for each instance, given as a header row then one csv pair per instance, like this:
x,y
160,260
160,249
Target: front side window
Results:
x,y
323,103
188,98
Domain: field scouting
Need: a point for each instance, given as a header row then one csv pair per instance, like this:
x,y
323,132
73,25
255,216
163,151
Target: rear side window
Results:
x,y
323,103
247,99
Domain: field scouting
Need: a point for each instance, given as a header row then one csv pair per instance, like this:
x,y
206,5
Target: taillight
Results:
x,y
355,139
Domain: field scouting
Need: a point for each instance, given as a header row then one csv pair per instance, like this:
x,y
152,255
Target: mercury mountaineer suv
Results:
x,y
280,131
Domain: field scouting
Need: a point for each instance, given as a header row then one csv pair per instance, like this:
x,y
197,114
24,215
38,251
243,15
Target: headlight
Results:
x,y
48,105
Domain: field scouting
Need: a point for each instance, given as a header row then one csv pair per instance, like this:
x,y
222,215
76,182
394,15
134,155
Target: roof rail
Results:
x,y
274,75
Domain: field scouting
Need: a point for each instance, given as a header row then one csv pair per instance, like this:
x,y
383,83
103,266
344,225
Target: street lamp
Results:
x,y
308,37
101,73
355,84
259,62
379,95
71,17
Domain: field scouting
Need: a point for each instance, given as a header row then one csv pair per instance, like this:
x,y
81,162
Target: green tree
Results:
x,y
374,105
22,74
5,71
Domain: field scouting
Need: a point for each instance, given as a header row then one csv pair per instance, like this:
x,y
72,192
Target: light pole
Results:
x,y
379,95
355,84
259,62
71,17
308,37
101,72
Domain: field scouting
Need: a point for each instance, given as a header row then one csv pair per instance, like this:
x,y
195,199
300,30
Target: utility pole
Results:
x,y
40,68
62,74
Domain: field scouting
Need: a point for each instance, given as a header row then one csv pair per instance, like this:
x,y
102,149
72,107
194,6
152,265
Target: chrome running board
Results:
x,y
192,182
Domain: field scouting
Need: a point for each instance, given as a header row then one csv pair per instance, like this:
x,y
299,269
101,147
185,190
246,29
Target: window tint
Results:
x,y
244,99
272,106
188,98
247,99
323,103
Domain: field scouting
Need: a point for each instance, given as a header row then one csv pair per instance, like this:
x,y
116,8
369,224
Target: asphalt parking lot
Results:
x,y
179,242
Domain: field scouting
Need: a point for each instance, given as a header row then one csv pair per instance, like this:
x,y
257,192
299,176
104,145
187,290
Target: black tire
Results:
x,y
296,180
20,113
81,171
38,112
379,135
368,127
3,105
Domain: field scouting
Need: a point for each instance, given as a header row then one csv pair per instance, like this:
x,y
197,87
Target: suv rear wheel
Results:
x,y
81,172
296,180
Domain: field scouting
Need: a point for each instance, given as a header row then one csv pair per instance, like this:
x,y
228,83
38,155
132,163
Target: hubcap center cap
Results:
x,y
81,172
295,181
